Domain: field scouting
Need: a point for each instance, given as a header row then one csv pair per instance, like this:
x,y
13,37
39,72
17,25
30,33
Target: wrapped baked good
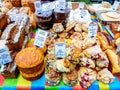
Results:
x,y
63,65
10,69
30,63
7,4
53,77
105,40
70,78
86,76
87,62
16,3
114,61
3,20
105,76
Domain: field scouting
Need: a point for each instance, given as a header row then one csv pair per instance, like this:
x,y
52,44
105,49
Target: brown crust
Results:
x,y
29,57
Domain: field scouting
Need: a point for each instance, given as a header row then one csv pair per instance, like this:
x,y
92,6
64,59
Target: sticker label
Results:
x,y
115,5
61,4
118,48
81,6
4,56
37,5
60,49
83,13
40,38
119,28
92,29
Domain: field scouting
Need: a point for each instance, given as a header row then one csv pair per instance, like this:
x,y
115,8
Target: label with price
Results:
x,y
37,5
61,4
115,5
40,38
4,56
60,49
92,29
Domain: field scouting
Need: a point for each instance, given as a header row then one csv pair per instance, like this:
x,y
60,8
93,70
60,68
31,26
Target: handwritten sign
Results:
x,y
92,29
40,38
4,56
60,49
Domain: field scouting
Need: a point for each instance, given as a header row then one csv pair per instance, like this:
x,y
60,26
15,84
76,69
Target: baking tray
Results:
x,y
102,21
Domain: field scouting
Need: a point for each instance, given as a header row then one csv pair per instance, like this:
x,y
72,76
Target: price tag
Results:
x,y
60,49
92,29
115,5
61,4
37,5
4,56
118,48
119,28
40,38
83,13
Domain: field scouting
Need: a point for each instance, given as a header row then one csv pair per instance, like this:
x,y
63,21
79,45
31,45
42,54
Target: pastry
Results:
x,y
58,27
105,40
16,3
86,76
30,62
62,65
114,61
86,62
70,25
53,77
3,20
105,76
70,78
78,27
7,4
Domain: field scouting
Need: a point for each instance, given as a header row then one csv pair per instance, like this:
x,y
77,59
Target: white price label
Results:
x,y
40,38
61,5
92,29
118,48
60,49
119,28
83,13
49,6
37,5
4,56
115,5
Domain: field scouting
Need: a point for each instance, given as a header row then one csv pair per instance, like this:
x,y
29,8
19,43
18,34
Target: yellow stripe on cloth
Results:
x,y
93,17
101,29
23,82
103,86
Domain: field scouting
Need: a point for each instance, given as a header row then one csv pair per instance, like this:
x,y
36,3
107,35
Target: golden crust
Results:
x,y
29,57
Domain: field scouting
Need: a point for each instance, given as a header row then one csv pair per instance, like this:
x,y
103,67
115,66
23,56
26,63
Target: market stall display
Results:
x,y
68,50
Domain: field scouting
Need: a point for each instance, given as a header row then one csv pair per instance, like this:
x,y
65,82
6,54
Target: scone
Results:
x,y
105,76
58,27
86,76
70,78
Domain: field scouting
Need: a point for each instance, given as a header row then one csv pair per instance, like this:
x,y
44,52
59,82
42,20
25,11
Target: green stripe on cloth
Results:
x,y
103,86
51,88
23,83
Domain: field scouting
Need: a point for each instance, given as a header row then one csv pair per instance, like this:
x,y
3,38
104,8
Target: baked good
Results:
x,y
105,76
44,19
70,78
10,69
105,40
61,65
87,62
3,20
86,76
58,27
30,62
114,61
106,4
7,4
16,3
14,36
78,27
53,77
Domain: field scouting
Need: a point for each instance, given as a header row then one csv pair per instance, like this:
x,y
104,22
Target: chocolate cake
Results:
x,y
45,19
